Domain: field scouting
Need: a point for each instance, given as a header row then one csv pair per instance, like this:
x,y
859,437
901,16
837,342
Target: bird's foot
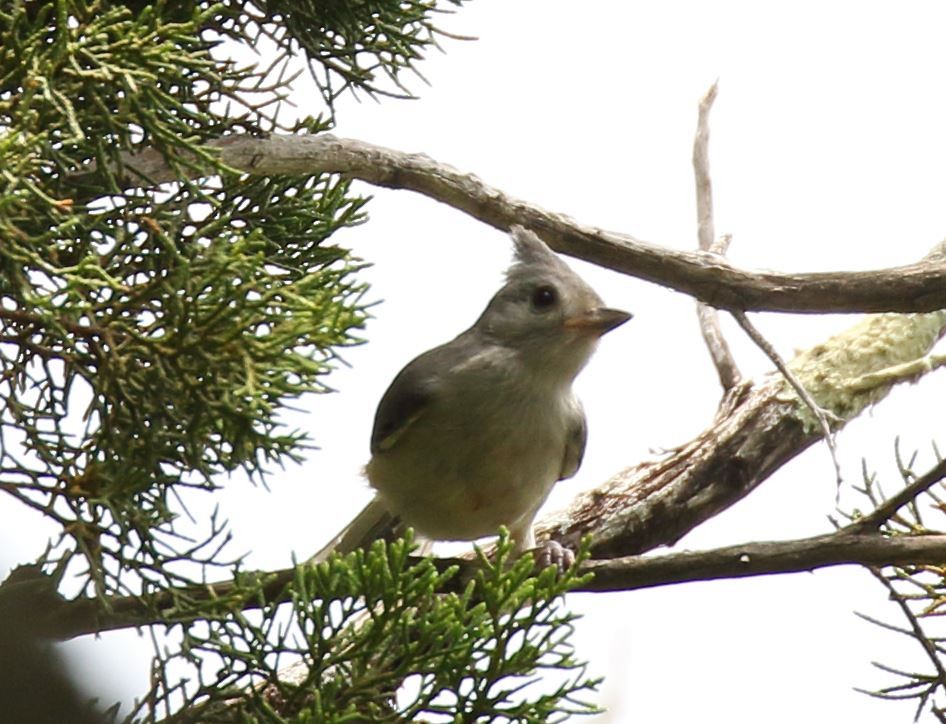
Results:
x,y
553,553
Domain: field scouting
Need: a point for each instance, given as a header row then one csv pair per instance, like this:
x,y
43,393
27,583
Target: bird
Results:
x,y
472,435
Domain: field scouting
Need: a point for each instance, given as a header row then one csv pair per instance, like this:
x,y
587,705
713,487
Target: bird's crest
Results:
x,y
531,253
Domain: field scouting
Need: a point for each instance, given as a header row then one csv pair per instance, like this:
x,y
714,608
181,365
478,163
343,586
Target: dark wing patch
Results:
x,y
574,445
404,402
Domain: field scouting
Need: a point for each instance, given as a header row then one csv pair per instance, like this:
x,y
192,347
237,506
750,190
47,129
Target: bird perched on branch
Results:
x,y
473,434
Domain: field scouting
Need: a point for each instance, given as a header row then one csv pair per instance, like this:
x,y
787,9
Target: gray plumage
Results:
x,y
473,434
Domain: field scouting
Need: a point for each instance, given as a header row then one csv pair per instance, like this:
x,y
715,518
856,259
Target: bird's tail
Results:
x,y
369,525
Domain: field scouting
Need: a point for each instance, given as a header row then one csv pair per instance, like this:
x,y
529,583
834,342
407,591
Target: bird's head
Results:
x,y
546,312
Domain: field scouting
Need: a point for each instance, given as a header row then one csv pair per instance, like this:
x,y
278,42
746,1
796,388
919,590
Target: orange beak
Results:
x,y
598,321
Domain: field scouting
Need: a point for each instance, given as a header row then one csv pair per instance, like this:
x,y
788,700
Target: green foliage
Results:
x,y
379,637
150,335
350,44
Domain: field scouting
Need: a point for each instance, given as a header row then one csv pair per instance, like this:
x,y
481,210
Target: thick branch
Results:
x,y
917,287
758,428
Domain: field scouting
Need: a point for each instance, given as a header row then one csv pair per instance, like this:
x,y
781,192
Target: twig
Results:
x,y
723,361
704,185
889,507
708,317
89,331
919,287
916,632
898,373
820,414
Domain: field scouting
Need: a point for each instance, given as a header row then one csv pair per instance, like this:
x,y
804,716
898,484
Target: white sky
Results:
x,y
828,152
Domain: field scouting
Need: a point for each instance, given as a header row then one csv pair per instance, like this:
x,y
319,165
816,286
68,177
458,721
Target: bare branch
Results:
x,y
723,360
726,368
708,317
858,543
919,287
820,415
917,633
67,619
765,558
704,185
907,495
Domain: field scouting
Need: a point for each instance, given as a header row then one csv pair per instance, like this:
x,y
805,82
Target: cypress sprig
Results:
x,y
150,337
375,637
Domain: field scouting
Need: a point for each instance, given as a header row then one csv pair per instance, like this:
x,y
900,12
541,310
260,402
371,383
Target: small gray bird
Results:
x,y
473,434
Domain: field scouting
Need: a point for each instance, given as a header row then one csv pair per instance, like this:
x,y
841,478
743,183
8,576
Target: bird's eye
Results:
x,y
544,298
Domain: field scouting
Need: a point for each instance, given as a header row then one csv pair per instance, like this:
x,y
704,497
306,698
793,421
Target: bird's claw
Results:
x,y
553,553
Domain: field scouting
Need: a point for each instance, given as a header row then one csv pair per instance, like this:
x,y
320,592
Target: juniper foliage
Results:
x,y
382,637
150,337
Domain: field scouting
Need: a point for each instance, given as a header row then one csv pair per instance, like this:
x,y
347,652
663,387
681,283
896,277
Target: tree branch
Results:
x,y
726,368
919,287
17,316
765,558
67,619
704,186
759,427
915,632
708,317
820,415
889,507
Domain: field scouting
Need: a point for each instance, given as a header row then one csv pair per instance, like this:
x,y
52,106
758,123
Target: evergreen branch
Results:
x,y
918,287
360,625
17,316
355,47
183,320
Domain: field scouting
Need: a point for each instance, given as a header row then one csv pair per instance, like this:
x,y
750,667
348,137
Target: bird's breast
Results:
x,y
474,461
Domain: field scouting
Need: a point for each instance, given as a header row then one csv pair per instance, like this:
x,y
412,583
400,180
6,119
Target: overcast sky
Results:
x,y
828,152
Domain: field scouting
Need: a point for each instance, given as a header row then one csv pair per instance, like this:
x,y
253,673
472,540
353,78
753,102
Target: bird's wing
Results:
x,y
574,443
405,401
416,386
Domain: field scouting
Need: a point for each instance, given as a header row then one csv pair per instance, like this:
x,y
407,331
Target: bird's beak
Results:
x,y
598,321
